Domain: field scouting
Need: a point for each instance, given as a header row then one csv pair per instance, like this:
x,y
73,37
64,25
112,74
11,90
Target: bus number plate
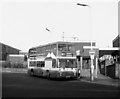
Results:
x,y
67,76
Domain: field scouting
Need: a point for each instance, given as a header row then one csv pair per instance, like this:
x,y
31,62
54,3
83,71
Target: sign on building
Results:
x,y
78,53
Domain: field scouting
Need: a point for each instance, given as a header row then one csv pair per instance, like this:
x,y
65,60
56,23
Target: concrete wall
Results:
x,y
16,58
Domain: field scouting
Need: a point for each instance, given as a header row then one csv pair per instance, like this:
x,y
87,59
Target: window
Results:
x,y
66,47
33,63
67,63
54,46
54,63
40,63
32,52
62,47
69,47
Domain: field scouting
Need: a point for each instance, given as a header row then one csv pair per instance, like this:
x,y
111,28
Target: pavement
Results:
x,y
14,70
101,79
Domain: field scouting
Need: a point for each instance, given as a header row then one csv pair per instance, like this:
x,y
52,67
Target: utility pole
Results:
x,y
91,52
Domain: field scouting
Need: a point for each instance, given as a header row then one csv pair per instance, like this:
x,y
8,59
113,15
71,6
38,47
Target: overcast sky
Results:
x,y
23,22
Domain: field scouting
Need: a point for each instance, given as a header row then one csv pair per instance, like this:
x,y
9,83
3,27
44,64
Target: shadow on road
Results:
x,y
55,79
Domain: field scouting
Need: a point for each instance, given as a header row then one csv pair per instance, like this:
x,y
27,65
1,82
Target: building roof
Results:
x,y
9,46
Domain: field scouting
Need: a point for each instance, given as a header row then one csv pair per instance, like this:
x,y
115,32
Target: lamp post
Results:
x,y
91,52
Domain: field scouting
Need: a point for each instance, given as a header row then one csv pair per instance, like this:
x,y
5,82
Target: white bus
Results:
x,y
50,65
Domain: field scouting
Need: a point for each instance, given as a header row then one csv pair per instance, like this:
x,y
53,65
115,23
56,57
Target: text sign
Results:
x,y
78,52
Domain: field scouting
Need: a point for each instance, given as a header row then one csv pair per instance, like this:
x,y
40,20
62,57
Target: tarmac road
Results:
x,y
21,85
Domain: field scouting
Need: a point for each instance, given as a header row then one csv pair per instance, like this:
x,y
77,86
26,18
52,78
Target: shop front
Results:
x,y
109,62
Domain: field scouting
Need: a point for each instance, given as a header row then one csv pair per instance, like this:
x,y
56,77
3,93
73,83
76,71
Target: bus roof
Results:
x,y
61,42
66,57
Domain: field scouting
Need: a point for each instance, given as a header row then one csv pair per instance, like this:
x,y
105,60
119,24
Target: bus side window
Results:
x,y
33,63
30,63
54,63
42,64
38,64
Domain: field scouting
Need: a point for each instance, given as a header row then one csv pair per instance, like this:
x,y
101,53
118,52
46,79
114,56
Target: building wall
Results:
x,y
5,50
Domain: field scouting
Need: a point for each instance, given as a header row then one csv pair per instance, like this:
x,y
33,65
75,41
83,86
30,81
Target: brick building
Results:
x,y
5,50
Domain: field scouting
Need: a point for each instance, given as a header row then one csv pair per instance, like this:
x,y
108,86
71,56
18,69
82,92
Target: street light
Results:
x,y
82,4
91,52
89,19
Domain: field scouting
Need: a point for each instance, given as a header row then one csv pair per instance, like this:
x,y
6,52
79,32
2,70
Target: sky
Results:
x,y
23,23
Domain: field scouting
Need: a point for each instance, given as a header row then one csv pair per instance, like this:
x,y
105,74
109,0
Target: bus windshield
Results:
x,y
67,63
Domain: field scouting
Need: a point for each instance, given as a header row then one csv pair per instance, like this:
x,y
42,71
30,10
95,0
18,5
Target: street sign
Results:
x,y
78,53
92,53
